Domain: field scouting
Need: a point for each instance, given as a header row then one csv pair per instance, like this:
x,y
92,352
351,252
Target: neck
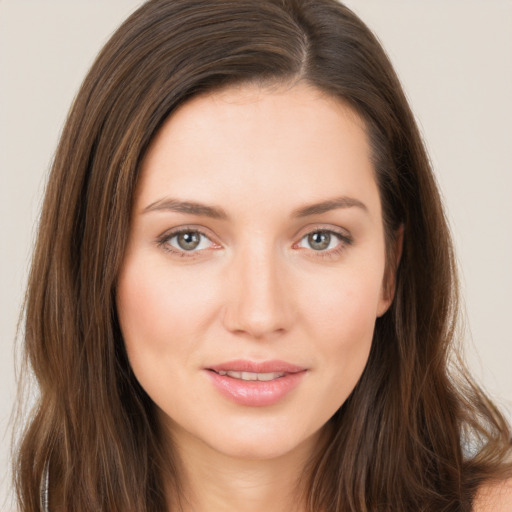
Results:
x,y
215,481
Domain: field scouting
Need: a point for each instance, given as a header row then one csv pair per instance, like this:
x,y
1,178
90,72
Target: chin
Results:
x,y
263,443
255,449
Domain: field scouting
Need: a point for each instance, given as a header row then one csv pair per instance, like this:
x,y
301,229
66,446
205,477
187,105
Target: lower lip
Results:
x,y
255,393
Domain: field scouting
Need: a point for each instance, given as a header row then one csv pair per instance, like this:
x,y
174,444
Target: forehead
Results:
x,y
288,144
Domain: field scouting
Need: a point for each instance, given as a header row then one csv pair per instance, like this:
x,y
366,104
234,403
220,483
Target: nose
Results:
x,y
259,298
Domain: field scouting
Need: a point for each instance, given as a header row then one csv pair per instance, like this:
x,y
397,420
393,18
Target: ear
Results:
x,y
392,261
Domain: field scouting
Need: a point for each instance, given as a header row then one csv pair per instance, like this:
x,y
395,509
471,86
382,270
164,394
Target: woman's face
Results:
x,y
254,268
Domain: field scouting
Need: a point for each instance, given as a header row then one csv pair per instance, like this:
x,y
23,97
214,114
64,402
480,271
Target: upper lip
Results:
x,y
241,365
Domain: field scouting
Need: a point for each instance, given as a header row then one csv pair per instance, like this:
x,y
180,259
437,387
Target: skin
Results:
x,y
255,288
494,496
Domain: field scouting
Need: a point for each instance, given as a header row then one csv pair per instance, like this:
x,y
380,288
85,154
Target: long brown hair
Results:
x,y
415,434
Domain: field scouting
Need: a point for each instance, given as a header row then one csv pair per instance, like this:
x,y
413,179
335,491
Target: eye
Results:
x,y
323,240
188,240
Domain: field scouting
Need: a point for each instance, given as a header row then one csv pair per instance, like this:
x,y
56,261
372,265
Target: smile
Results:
x,y
252,376
254,384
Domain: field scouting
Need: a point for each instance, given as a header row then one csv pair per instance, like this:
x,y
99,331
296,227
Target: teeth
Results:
x,y
252,375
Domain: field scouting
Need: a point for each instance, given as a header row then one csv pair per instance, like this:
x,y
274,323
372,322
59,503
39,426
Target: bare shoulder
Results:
x,y
494,496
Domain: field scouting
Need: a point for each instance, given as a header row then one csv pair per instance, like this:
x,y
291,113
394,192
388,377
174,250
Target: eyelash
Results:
x,y
164,240
344,241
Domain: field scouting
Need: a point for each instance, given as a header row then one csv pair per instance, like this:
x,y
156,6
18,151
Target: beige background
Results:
x,y
455,60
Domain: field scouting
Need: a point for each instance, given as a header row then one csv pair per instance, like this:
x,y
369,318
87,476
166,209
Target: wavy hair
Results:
x,y
415,434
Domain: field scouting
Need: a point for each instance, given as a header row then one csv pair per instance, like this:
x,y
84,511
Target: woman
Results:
x,y
243,292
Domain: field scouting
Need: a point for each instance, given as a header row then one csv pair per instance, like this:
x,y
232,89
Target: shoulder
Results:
x,y
495,496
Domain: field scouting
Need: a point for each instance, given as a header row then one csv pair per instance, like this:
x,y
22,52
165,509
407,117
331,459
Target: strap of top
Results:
x,y
43,491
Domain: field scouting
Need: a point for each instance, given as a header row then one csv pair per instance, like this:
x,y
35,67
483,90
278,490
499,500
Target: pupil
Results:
x,y
319,240
188,240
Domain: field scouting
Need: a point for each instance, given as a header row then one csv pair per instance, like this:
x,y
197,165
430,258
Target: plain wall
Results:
x,y
454,58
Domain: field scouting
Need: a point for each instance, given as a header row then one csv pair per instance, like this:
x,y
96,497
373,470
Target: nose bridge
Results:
x,y
258,303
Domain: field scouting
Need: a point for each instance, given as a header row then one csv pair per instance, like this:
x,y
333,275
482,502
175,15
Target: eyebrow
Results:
x,y
216,212
190,207
330,204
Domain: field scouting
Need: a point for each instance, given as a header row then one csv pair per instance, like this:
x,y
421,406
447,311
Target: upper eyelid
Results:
x,y
330,231
170,233
341,232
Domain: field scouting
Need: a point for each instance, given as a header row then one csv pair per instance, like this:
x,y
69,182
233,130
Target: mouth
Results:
x,y
256,384
251,376
243,366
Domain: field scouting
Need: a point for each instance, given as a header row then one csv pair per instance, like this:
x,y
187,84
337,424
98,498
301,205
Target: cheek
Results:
x,y
344,305
344,314
158,311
